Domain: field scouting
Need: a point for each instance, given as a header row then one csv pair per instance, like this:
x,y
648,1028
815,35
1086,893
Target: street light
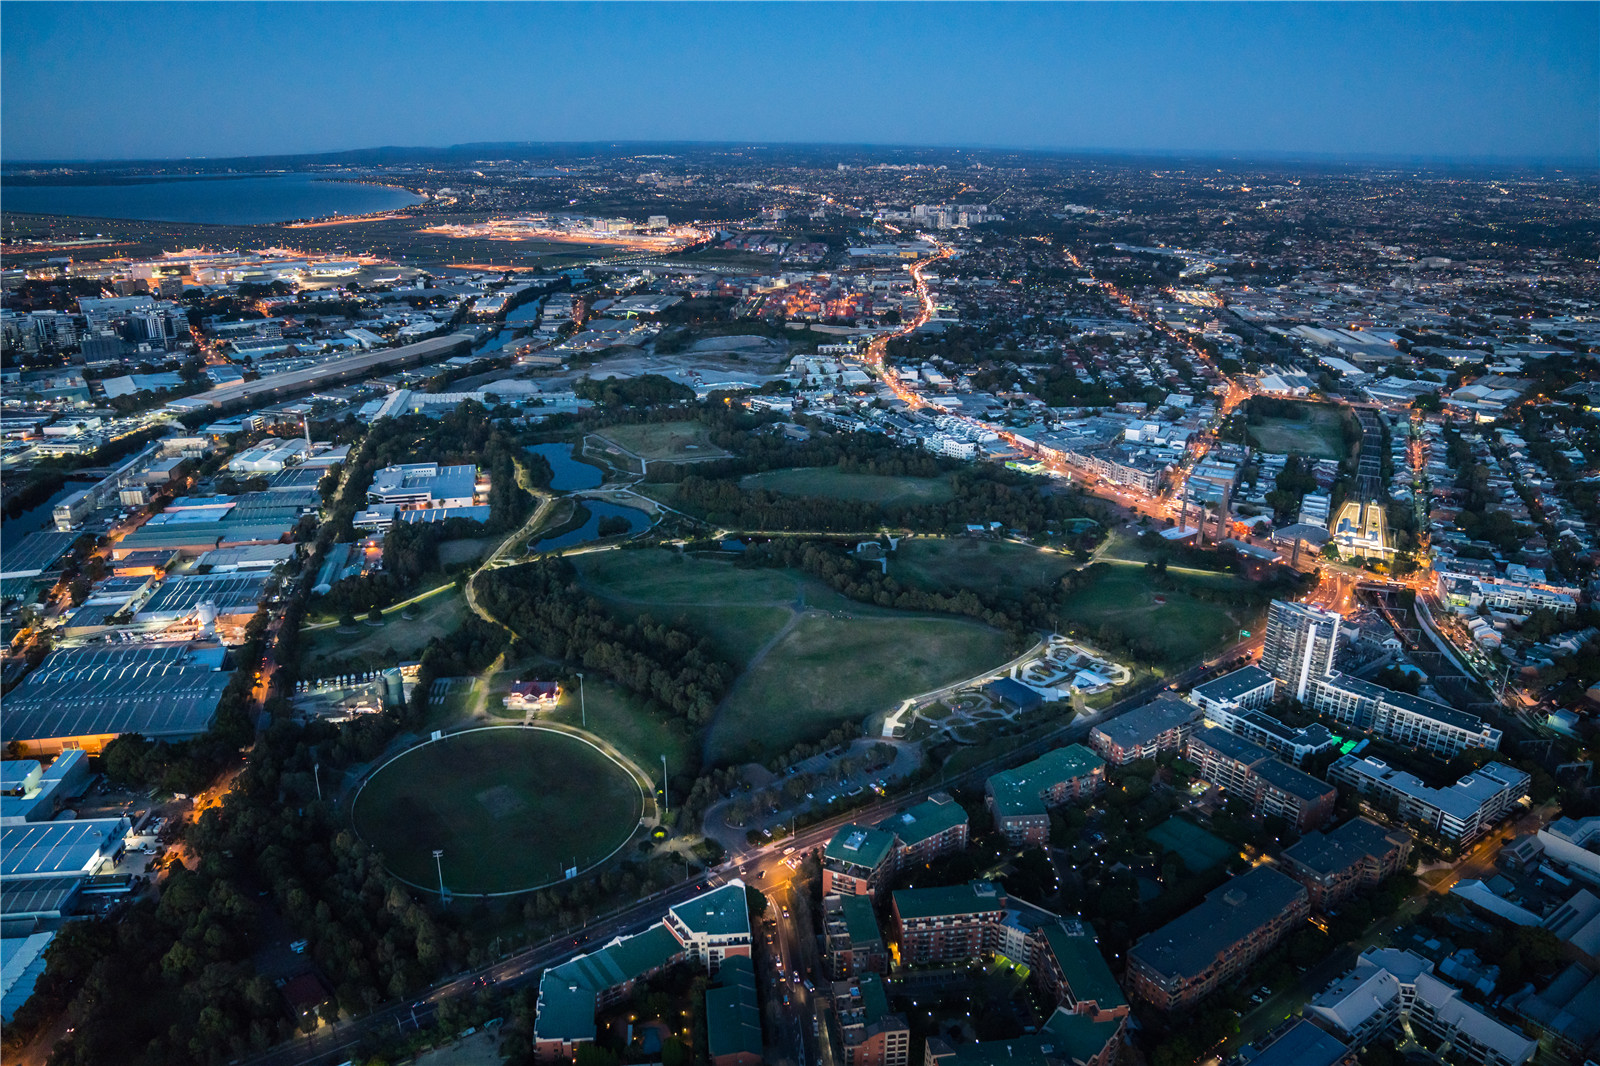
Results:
x,y
583,706
438,855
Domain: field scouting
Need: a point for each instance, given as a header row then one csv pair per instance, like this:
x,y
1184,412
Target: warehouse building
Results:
x,y
82,698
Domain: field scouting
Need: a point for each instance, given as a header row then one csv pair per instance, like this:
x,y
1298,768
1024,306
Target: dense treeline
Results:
x,y
632,392
543,604
982,495
173,982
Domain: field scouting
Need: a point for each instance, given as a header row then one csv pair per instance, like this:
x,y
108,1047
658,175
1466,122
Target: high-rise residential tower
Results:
x,y
1299,645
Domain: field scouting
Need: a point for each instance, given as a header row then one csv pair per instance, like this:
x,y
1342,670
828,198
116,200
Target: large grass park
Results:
x,y
809,658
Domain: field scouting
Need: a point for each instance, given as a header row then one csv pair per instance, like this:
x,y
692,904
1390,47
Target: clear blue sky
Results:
x,y
152,80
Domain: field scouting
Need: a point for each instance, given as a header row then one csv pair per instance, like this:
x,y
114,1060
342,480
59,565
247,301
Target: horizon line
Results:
x,y
1206,154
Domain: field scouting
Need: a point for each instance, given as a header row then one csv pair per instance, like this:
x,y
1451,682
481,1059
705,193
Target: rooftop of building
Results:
x,y
1232,685
1302,1044
1417,705
1461,800
978,897
860,846
1021,791
860,922
1344,846
51,849
153,689
1085,968
1144,724
721,912
733,1016
934,815
1195,940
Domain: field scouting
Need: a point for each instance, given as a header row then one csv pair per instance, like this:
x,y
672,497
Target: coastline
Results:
x,y
329,217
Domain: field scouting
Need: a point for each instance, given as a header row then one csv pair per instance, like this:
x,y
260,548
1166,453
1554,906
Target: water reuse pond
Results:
x,y
569,473
637,520
512,808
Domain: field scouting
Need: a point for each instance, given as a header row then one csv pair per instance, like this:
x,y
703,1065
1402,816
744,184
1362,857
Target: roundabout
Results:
x,y
511,808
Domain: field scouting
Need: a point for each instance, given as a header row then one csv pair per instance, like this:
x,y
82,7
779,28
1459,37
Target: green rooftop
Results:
x,y
733,1016
1077,1037
567,992
859,920
874,1000
1021,791
927,819
1085,968
979,897
722,912
858,845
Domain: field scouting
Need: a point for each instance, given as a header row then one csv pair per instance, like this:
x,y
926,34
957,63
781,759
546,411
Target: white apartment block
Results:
x,y
1461,813
1400,717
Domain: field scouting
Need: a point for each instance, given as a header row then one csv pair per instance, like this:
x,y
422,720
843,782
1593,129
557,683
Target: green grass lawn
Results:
x,y
829,670
629,724
511,807
838,661
939,563
834,484
436,616
1320,436
664,441
1184,628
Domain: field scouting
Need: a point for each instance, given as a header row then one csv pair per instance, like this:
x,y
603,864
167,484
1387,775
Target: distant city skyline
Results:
x,y
1463,82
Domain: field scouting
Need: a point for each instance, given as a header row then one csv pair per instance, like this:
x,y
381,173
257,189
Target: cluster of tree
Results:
x,y
543,604
641,391
467,649
981,495
174,981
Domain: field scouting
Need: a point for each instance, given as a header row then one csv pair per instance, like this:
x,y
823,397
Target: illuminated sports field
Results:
x,y
512,808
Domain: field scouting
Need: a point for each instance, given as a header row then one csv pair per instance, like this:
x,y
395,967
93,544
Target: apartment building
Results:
x,y
1188,958
1400,717
1338,863
1249,771
1299,645
1392,990
933,828
852,942
857,861
872,1034
1459,814
935,925
1021,799
1237,702
1145,732
1249,688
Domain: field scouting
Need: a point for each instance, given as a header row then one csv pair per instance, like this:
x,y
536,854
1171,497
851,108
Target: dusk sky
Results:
x,y
1467,81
